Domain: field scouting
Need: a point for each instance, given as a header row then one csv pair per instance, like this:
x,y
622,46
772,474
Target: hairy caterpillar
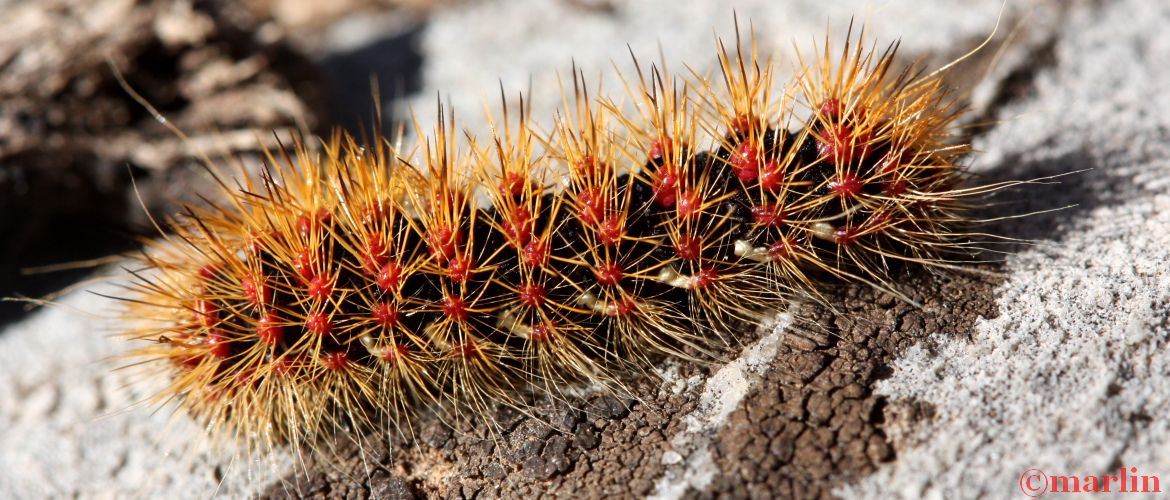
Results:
x,y
357,284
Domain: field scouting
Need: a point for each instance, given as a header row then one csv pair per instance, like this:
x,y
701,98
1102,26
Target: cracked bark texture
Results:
x,y
815,421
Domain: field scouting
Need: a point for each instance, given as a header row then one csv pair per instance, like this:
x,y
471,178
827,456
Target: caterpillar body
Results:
x,y
355,283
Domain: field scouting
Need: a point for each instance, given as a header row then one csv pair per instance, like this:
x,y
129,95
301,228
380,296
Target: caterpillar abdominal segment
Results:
x,y
352,284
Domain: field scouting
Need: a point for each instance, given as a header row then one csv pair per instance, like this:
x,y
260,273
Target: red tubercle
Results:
x,y
375,253
772,176
687,247
255,242
319,287
455,308
335,361
659,148
891,162
393,353
466,349
460,268
206,313
543,331
256,290
513,184
390,277
610,231
218,344
532,294
665,185
880,218
846,235
285,365
894,187
690,203
745,161
841,145
846,185
705,278
782,249
319,323
269,329
590,206
324,217
374,212
519,226
304,264
743,124
768,214
442,241
247,377
589,167
306,223
385,314
187,360
623,307
890,170
446,200
208,272
609,273
535,253
831,108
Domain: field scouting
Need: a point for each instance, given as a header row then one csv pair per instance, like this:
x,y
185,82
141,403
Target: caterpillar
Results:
x,y
357,282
